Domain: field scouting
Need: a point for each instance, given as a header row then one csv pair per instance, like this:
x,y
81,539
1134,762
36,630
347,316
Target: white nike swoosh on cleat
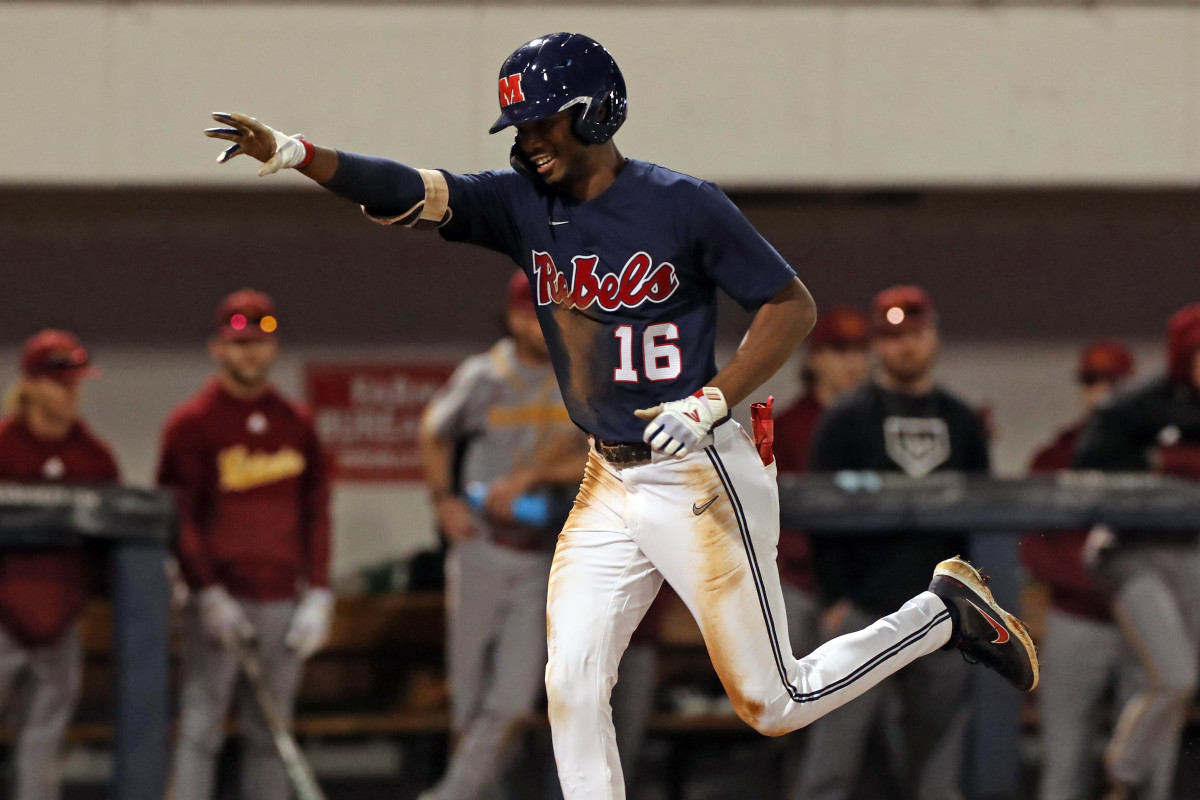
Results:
x,y
559,221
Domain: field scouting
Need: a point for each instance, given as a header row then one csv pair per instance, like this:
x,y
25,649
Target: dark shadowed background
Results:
x,y
147,266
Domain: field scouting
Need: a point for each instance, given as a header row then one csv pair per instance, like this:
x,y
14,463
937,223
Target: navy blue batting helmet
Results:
x,y
557,71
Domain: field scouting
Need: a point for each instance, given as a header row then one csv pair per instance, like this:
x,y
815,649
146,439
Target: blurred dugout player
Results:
x,y
253,547
837,361
1153,578
505,406
1082,650
42,591
900,421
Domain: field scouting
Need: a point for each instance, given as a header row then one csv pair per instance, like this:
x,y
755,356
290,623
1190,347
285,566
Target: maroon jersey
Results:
x,y
252,491
1055,558
793,441
42,591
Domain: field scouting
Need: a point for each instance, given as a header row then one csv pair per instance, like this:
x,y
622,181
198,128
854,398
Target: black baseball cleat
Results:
x,y
983,631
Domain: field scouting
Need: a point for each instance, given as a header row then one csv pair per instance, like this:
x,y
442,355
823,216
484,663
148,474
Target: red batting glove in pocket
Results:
x,y
764,429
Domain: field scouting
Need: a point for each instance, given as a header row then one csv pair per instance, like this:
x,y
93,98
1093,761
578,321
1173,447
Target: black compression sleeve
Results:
x,y
384,188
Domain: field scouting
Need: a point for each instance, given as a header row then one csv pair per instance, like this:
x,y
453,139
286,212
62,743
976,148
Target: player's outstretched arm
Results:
x,y
775,333
389,192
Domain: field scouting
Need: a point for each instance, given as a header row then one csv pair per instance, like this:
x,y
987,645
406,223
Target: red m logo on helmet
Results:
x,y
510,90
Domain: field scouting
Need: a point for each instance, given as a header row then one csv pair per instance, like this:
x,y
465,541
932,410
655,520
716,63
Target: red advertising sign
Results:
x,y
368,416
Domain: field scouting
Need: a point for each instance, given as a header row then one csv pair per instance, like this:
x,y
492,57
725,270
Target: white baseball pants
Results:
x,y
633,527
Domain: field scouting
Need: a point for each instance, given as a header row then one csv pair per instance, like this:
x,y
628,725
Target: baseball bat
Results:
x,y
297,767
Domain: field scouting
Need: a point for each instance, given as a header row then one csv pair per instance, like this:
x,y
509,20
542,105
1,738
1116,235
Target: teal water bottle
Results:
x,y
532,508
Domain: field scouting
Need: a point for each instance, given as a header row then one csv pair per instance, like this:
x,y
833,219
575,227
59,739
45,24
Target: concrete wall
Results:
x,y
116,93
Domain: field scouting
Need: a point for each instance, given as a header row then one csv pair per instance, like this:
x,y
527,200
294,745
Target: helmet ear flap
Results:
x,y
521,164
588,123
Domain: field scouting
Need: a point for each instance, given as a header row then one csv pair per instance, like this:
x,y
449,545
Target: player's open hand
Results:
x,y
276,150
678,427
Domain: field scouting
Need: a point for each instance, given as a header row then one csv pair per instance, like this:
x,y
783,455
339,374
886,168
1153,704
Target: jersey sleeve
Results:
x,y
315,508
978,456
481,211
448,415
832,445
106,468
1110,444
181,468
833,554
732,253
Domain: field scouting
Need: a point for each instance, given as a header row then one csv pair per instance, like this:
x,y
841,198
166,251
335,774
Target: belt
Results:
x,y
623,453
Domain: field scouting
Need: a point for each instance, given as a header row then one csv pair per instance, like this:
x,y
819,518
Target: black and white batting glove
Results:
x,y
276,150
677,428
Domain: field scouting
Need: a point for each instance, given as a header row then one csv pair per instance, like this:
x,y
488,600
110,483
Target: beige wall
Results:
x,y
115,93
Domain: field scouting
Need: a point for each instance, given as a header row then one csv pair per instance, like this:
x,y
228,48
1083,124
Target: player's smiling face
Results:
x,y
553,148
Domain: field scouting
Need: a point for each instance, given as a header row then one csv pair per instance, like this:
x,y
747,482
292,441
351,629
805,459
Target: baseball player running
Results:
x,y
253,547
42,591
625,259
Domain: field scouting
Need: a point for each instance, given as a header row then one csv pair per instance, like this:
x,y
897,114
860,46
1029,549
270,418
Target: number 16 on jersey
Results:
x,y
661,360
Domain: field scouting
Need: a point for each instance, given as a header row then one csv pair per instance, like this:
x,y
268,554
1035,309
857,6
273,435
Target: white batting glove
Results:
x,y
276,150
678,427
310,624
224,619
1100,541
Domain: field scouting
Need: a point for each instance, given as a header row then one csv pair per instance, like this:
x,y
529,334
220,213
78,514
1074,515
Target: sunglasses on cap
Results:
x,y
240,322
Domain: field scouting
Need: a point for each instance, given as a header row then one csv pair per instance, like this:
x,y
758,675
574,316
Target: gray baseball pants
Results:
x,y
45,706
496,604
1081,658
931,693
210,677
1156,602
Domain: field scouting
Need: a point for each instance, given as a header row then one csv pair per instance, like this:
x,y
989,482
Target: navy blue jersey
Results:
x,y
625,283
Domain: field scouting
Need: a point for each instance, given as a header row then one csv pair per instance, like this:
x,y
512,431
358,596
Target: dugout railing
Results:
x,y
134,527
991,510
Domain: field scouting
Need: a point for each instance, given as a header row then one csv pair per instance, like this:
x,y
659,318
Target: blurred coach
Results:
x,y
1082,651
1153,577
253,547
42,591
900,421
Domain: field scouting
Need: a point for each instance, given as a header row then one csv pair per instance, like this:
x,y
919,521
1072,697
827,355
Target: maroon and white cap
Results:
x,y
901,308
841,327
56,354
246,314
1105,360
